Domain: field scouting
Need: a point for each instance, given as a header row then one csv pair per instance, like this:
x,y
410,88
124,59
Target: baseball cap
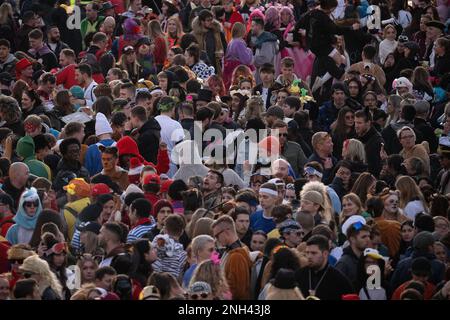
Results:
x,y
100,188
152,178
289,225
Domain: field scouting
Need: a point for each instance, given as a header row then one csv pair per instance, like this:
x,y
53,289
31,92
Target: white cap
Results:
x,y
350,221
102,125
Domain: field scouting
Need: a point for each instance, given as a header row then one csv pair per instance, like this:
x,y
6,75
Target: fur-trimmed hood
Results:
x,y
198,30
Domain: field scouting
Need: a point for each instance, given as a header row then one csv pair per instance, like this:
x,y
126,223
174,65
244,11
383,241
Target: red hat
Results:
x,y
152,178
21,65
350,296
136,166
100,188
165,185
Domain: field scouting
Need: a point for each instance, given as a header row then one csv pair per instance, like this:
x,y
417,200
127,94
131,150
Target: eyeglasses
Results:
x,y
196,296
14,261
31,204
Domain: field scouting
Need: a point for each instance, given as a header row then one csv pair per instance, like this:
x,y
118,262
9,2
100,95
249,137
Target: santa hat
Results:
x,y
135,170
21,65
102,125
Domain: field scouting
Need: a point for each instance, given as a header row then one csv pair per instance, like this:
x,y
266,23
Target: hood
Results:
x,y
197,29
150,124
25,148
265,37
9,59
127,145
21,218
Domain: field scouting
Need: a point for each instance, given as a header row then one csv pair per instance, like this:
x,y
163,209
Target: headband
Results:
x,y
268,191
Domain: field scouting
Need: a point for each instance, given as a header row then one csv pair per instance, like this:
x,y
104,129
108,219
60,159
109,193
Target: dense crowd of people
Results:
x,y
224,150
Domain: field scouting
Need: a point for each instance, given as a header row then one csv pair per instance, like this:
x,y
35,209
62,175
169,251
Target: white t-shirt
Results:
x,y
171,131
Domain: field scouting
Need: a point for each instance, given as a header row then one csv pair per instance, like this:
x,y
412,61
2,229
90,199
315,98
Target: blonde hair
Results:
x,y
386,28
354,198
179,26
199,242
199,213
238,30
356,151
274,293
405,128
211,273
327,212
319,138
47,277
6,11
409,191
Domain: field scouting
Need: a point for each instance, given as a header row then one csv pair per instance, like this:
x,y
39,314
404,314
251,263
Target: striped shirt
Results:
x,y
173,264
143,226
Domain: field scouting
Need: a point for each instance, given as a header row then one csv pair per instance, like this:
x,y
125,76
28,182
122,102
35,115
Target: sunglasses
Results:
x,y
196,296
31,204
27,274
14,261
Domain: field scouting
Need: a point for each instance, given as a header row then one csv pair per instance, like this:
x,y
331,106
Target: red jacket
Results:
x,y
235,17
4,264
430,290
153,198
66,77
126,145
5,224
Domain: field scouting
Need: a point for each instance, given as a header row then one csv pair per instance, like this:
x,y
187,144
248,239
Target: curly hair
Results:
x,y
211,273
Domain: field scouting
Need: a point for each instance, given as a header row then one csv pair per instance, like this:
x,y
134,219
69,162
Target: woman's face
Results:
x,y
205,252
423,26
131,57
59,259
390,108
88,271
339,41
163,81
235,102
372,188
164,9
108,209
170,56
172,27
391,204
281,97
31,207
349,208
349,119
151,255
353,89
285,17
440,253
163,213
390,34
144,49
370,101
246,85
390,61
227,197
258,242
27,103
407,139
407,233
441,227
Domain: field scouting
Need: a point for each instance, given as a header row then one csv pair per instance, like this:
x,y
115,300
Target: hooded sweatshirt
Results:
x,y
9,65
25,149
22,231
171,255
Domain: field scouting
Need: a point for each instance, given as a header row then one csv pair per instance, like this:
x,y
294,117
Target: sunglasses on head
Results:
x,y
195,296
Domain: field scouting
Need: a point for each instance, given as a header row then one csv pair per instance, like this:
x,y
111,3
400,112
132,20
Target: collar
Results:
x,y
234,245
143,221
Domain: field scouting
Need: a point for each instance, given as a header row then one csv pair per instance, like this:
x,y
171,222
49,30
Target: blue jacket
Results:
x,y
327,115
93,158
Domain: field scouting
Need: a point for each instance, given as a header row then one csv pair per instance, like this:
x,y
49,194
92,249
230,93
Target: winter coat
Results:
x,y
372,141
9,65
348,265
148,139
45,56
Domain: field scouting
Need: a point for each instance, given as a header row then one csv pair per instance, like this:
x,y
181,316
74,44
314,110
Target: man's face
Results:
x,y
5,210
22,177
136,5
256,28
73,153
49,86
327,146
258,242
362,240
361,126
316,258
79,77
267,201
218,232
109,162
339,97
91,14
391,204
162,215
54,35
125,94
4,52
35,43
146,103
242,223
308,206
433,33
105,282
280,169
211,182
283,133
63,60
287,71
267,77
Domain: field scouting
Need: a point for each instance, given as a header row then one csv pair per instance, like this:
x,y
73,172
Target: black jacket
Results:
x,y
148,139
334,284
15,193
372,141
389,134
259,88
38,110
348,265
427,132
187,124
59,47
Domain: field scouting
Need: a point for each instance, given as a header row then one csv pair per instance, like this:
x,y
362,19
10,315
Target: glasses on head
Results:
x,y
196,296
290,186
14,261
30,204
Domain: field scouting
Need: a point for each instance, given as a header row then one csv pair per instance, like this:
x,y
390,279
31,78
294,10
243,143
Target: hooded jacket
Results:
x,y
127,145
22,231
171,255
372,141
9,65
266,45
47,57
25,149
148,139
